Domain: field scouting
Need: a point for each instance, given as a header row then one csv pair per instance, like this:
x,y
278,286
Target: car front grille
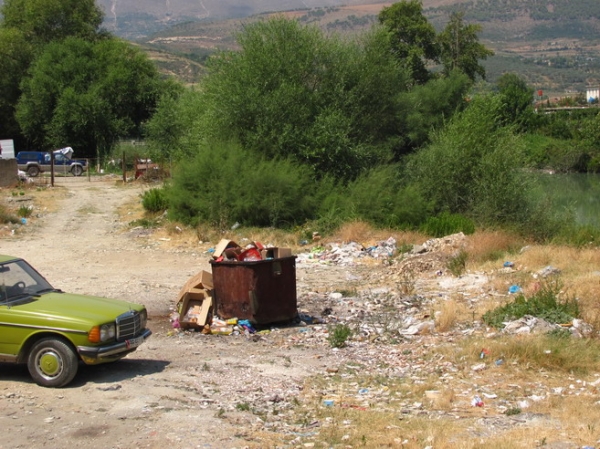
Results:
x,y
129,325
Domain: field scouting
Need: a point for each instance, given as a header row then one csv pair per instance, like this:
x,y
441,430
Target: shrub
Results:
x,y
447,223
225,184
6,216
338,335
474,166
25,211
154,200
458,263
543,304
380,198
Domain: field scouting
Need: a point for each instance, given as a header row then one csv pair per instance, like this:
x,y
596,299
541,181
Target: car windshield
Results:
x,y
18,279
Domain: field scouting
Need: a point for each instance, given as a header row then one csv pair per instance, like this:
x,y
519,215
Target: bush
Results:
x,y
225,184
447,223
380,198
579,236
543,304
6,216
474,166
154,200
25,211
338,335
457,264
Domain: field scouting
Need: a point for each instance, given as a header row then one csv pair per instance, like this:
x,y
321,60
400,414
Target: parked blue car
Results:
x,y
35,162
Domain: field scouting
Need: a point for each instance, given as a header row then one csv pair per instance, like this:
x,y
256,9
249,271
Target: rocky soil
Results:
x,y
188,390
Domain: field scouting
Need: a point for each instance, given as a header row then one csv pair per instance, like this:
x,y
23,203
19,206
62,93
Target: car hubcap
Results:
x,y
50,364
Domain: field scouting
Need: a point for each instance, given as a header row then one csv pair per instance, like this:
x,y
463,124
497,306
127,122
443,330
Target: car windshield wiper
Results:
x,y
17,298
46,290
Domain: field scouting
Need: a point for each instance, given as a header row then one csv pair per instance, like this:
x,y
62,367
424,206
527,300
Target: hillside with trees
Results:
x,y
554,45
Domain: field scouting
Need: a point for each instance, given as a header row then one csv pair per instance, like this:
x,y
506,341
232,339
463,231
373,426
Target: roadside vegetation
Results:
x,y
298,132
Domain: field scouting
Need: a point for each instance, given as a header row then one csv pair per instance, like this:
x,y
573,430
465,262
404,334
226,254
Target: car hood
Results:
x,y
79,311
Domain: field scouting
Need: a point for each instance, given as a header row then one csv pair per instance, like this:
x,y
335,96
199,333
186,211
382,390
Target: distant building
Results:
x,y
593,93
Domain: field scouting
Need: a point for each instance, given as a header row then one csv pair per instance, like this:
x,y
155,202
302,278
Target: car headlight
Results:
x,y
100,334
107,332
143,318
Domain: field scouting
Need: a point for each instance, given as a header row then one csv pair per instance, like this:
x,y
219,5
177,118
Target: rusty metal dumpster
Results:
x,y
261,291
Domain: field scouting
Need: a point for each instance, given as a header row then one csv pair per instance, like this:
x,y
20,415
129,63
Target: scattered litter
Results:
x,y
478,367
477,402
548,271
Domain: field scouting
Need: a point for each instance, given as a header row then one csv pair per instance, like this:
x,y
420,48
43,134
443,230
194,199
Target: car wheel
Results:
x,y
33,171
52,363
77,170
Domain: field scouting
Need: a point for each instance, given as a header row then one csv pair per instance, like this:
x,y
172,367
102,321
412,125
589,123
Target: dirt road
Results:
x,y
188,390
181,390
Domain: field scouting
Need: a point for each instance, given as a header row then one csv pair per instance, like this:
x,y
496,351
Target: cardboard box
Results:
x,y
200,281
226,248
282,252
195,308
276,253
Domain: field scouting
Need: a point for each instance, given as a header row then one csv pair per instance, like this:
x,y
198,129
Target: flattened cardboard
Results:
x,y
222,246
282,252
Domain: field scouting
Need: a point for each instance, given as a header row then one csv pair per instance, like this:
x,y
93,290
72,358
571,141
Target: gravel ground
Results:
x,y
188,390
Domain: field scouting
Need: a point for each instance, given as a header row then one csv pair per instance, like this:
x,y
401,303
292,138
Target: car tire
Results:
x,y
52,363
77,170
33,171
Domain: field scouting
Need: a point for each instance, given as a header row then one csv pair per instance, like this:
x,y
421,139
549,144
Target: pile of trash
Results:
x,y
194,310
228,251
534,325
248,286
347,254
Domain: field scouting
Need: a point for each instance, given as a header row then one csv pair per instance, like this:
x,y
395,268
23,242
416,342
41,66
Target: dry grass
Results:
x,y
447,418
491,246
367,235
449,312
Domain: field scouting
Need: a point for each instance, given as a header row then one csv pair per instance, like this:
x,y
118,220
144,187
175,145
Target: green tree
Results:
x,y
17,54
412,37
44,21
517,101
461,49
26,26
87,95
292,92
473,166
432,105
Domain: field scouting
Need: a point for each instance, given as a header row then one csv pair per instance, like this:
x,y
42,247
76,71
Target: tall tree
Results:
x,y
292,92
517,104
413,38
87,95
461,49
43,21
17,54
26,27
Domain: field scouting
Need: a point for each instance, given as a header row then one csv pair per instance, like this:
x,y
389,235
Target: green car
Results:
x,y
52,331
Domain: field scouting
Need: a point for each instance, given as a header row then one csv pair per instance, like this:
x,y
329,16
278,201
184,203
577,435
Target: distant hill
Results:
x,y
553,44
135,19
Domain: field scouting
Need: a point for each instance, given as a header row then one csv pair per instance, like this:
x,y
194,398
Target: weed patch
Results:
x,y
544,303
338,335
457,264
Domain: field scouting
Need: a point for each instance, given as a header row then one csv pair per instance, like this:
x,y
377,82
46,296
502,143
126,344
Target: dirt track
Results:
x,y
177,391
187,390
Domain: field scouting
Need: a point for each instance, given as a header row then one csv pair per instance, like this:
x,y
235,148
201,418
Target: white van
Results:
x,y
7,149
